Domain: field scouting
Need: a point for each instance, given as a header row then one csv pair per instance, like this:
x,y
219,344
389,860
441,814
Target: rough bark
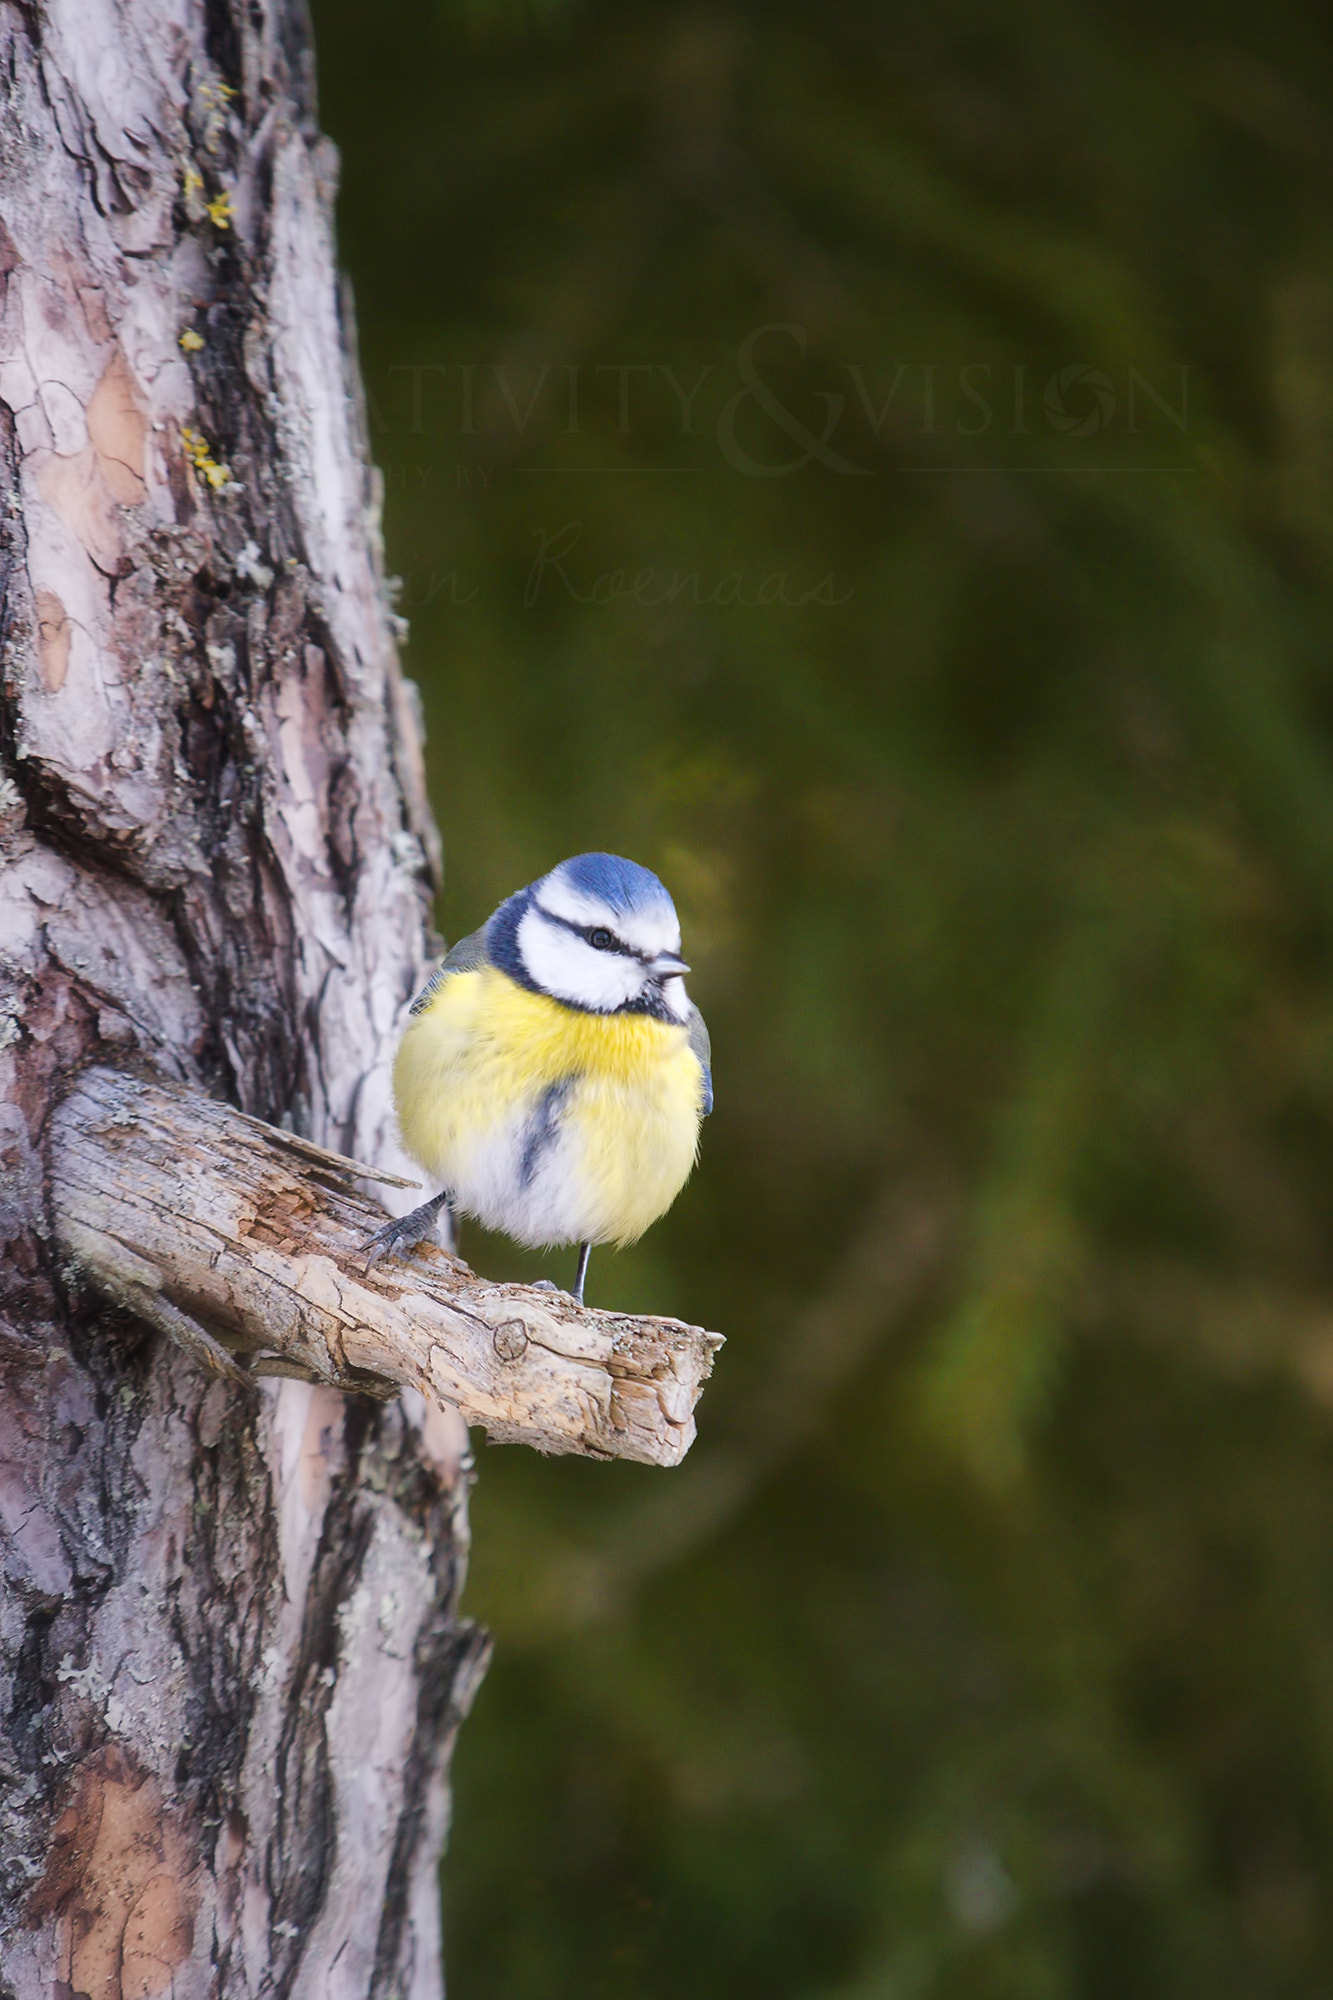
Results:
x,y
230,1663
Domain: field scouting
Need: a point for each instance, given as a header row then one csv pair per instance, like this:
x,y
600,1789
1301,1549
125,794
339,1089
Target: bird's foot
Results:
x,y
404,1232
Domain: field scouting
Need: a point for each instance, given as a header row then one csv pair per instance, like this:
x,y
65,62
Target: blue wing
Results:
x,y
702,1048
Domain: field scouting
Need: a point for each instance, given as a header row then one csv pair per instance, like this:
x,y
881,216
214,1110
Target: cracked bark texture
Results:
x,y
230,1661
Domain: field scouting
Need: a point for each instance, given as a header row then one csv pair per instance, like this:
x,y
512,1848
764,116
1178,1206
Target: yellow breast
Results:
x,y
473,1071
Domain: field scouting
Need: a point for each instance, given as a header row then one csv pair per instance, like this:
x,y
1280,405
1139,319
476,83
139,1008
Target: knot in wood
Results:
x,y
511,1340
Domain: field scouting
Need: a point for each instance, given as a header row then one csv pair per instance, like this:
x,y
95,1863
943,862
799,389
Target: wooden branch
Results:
x,y
247,1246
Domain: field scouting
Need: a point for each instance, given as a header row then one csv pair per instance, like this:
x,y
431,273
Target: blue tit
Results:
x,y
554,1072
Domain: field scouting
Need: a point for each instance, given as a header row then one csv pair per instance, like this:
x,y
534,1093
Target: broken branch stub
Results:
x,y
246,1245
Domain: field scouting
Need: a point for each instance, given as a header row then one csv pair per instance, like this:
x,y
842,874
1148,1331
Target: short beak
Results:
x,y
665,964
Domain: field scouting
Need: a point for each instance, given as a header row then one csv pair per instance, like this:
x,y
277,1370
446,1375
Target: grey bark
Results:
x,y
230,1658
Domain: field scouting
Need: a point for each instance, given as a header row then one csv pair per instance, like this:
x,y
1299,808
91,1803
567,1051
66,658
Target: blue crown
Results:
x,y
621,885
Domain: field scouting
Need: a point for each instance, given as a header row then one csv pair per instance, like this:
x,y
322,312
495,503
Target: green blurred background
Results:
x,y
891,498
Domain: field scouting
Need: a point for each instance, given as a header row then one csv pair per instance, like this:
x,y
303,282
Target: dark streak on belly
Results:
x,y
543,1129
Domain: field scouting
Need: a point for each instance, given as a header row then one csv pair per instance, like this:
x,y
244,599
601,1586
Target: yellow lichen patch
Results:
x,y
191,341
200,457
220,211
192,194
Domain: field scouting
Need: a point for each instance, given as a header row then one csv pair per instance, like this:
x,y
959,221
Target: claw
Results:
x,y
404,1232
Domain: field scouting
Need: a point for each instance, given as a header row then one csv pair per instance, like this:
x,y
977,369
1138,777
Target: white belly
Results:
x,y
526,1176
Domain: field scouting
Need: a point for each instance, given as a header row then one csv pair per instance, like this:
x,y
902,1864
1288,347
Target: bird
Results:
x,y
554,1072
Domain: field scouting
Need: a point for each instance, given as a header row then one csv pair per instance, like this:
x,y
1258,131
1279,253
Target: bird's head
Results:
x,y
598,933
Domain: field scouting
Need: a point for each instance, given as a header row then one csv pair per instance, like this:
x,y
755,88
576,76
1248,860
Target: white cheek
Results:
x,y
564,965
676,999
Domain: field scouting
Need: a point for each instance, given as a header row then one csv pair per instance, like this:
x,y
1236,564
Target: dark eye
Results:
x,y
601,940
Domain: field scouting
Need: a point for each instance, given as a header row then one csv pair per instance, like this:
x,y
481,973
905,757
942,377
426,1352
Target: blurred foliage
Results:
x,y
983,1647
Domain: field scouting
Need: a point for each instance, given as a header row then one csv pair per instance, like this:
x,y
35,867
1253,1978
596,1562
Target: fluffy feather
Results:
x,y
554,1124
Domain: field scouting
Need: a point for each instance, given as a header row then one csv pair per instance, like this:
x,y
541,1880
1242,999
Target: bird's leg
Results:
x,y
550,1285
399,1236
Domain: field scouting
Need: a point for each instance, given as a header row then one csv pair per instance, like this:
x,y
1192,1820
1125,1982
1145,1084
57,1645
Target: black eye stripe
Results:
x,y
588,931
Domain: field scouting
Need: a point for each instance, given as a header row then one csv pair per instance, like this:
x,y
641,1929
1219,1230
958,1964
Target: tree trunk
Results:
x,y
230,1663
